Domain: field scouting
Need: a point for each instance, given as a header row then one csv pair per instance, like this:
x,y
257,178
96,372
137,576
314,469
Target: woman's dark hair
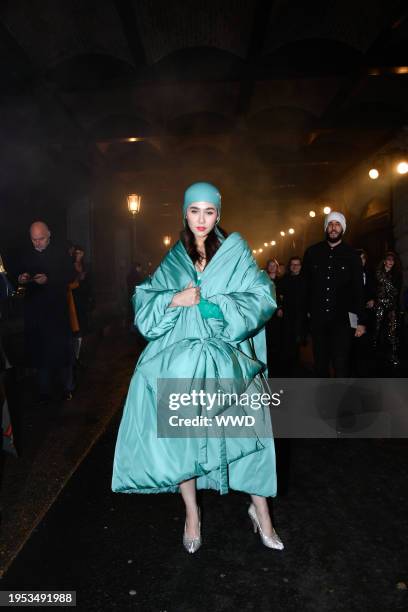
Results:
x,y
211,244
277,264
274,261
396,270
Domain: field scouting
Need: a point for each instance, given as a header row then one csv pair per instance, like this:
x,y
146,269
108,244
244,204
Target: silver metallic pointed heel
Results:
x,y
193,544
272,541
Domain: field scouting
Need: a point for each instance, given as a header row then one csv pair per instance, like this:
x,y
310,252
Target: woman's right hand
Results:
x,y
190,296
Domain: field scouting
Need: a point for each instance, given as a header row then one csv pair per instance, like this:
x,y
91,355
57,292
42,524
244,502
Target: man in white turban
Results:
x,y
335,217
333,293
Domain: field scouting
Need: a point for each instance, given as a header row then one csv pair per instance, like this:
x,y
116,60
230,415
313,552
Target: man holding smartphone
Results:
x,y
46,272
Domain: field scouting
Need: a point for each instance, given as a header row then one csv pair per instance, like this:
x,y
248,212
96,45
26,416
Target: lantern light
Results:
x,y
291,230
134,201
282,233
327,210
312,213
167,240
373,174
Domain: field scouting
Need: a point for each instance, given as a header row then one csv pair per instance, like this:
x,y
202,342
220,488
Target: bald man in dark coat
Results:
x,y
46,271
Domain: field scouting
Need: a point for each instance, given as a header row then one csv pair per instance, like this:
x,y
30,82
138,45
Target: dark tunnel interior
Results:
x,y
293,109
284,106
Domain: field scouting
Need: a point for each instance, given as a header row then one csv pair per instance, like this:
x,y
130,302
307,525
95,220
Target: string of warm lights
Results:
x,y
401,168
290,231
374,173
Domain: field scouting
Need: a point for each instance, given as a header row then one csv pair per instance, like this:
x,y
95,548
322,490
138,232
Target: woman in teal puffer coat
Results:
x,y
203,312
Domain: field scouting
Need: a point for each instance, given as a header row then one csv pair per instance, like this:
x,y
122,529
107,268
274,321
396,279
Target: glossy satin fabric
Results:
x,y
184,344
208,310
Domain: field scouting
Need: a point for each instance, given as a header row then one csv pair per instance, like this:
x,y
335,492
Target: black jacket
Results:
x,y
289,296
47,327
369,284
332,283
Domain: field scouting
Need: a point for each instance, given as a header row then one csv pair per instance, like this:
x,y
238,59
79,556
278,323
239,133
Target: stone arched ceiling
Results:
x,y
274,100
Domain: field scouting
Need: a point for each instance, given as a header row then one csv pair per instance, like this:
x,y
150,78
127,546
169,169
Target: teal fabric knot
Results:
x,y
208,310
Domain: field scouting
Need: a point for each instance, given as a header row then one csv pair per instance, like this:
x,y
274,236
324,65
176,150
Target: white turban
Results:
x,y
335,216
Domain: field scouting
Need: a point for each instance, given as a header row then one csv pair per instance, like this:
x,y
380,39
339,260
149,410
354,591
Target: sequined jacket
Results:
x,y
388,290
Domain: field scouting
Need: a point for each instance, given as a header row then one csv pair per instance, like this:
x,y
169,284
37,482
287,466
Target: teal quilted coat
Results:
x,y
222,338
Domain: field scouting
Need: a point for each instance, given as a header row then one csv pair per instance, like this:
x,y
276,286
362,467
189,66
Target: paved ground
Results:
x,y
53,439
343,521
342,514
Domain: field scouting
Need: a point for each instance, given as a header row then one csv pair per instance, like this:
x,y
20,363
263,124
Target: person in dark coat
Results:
x,y
290,311
363,362
82,294
46,272
368,280
333,293
5,290
273,326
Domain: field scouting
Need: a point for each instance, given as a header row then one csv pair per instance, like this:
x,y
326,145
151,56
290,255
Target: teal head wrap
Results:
x,y
203,192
